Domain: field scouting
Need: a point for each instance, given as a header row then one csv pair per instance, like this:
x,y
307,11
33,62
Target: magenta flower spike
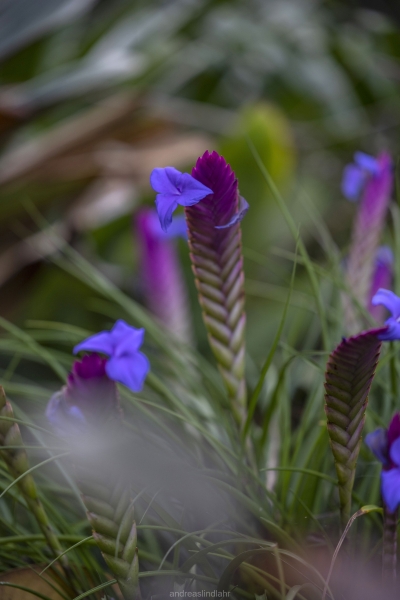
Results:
x,y
382,278
163,285
371,180
217,262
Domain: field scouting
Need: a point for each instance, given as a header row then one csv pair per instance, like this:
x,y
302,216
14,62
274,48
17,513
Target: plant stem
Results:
x,y
389,550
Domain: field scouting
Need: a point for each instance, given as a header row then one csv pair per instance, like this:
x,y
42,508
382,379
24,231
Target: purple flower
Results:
x,y
161,277
355,175
385,444
175,188
382,278
126,364
89,397
392,303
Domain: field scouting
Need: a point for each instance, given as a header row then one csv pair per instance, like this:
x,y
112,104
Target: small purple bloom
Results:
x,y
89,397
385,444
126,364
392,303
243,207
175,188
355,175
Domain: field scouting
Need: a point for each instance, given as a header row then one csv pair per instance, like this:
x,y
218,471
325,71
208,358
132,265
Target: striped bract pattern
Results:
x,y
17,462
217,263
111,514
348,378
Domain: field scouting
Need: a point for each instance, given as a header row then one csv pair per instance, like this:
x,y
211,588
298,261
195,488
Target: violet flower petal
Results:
x,y
175,188
131,370
124,335
242,210
192,190
353,181
106,341
100,342
377,442
390,487
392,331
367,162
166,181
166,205
389,300
148,220
130,344
177,229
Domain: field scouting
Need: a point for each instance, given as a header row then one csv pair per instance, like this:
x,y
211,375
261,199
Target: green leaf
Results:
x,y
225,579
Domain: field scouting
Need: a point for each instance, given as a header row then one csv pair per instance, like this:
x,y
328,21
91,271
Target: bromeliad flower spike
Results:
x,y
213,210
370,180
348,378
126,363
217,262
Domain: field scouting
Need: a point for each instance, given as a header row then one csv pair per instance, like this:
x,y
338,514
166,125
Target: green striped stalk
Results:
x,y
217,263
348,378
111,515
17,463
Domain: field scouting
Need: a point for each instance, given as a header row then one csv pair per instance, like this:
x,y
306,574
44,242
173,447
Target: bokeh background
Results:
x,y
96,93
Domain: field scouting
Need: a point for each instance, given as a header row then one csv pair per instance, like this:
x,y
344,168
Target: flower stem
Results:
x,y
389,550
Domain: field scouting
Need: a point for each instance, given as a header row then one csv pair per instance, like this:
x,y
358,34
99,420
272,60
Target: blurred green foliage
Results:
x,y
93,96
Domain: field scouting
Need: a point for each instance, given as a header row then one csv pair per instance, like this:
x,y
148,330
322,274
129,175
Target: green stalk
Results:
x,y
17,463
111,515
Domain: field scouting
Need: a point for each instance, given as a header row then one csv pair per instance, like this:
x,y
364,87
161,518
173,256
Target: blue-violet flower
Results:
x,y
355,175
385,444
126,364
175,188
392,303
